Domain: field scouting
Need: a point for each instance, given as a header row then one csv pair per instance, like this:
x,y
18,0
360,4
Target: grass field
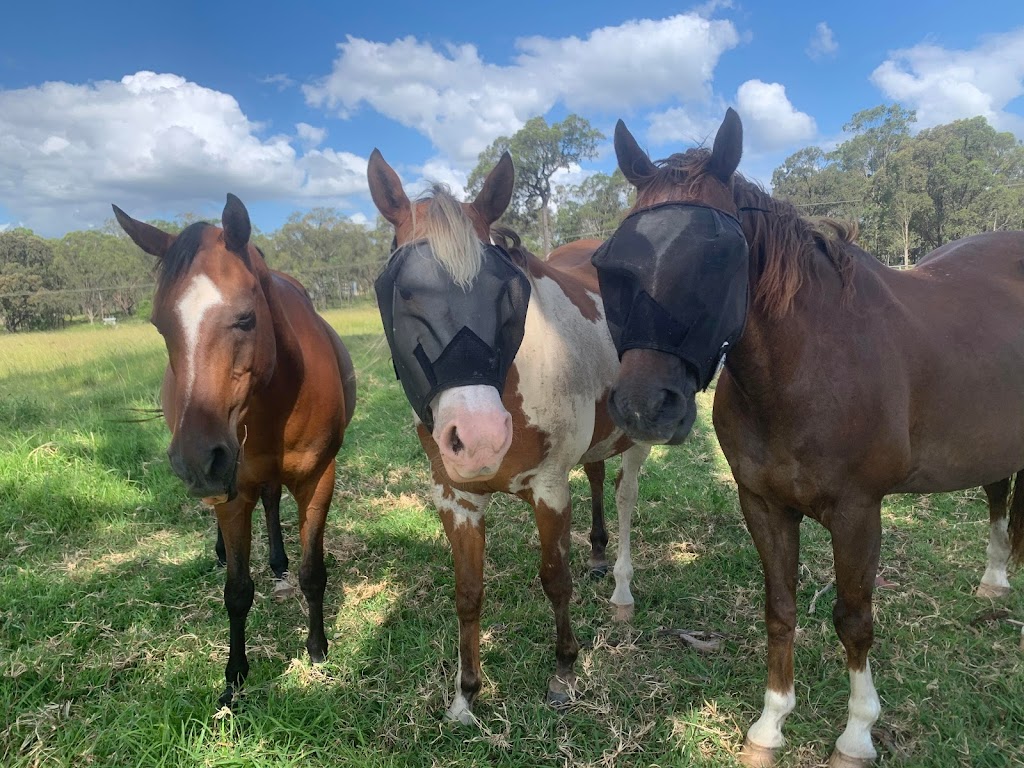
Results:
x,y
113,636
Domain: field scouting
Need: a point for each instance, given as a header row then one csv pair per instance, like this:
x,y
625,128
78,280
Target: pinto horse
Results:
x,y
848,382
257,393
508,405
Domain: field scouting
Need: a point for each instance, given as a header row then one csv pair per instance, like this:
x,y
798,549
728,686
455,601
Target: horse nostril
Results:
x,y
670,399
218,463
454,442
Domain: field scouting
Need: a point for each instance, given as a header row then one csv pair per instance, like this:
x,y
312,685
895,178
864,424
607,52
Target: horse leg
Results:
x,y
218,548
234,519
271,497
856,540
775,530
314,499
552,510
995,583
462,515
598,533
627,488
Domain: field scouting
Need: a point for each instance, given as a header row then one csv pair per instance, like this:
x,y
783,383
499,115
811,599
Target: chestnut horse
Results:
x,y
850,381
520,436
257,393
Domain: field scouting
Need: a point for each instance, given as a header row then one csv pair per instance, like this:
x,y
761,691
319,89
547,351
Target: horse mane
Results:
x,y
785,246
451,234
180,255
512,243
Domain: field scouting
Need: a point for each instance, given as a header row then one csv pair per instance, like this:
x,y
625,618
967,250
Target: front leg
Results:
x,y
552,509
234,519
462,515
598,533
627,491
775,530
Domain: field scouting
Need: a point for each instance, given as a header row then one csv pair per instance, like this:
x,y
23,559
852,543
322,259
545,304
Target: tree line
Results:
x,y
909,193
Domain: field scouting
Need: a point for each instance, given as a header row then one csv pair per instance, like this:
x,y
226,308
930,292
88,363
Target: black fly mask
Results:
x,y
674,278
442,335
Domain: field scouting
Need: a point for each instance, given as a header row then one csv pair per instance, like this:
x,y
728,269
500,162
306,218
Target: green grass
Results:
x,y
113,636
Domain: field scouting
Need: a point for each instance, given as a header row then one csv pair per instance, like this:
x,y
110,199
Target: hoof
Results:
x,y
839,760
561,691
622,613
598,571
230,698
755,756
283,589
991,591
460,713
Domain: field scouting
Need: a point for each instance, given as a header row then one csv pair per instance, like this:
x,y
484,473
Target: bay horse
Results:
x,y
257,394
519,430
849,381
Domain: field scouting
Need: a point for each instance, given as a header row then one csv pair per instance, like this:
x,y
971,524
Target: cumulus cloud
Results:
x,y
823,44
462,102
685,125
310,135
770,121
147,142
945,85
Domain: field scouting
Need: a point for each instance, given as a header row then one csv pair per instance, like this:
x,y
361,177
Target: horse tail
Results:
x,y
1016,522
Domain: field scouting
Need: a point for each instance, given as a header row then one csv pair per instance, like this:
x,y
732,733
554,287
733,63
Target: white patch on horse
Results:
x,y
566,362
767,731
459,710
202,295
446,499
998,552
865,707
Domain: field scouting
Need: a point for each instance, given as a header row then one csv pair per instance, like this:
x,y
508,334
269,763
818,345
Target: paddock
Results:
x,y
113,636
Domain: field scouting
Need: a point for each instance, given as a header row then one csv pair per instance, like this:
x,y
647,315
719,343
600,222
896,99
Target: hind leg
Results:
x,y
995,583
598,533
627,489
270,494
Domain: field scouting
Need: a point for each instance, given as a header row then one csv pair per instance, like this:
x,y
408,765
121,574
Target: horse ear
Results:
x,y
153,241
634,163
235,221
386,189
725,157
496,193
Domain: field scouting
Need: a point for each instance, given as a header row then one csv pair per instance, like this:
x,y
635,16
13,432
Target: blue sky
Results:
x,y
165,107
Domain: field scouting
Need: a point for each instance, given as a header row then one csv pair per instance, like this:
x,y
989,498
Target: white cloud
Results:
x,y
310,135
281,81
5,226
687,125
437,169
462,103
770,121
148,142
945,85
361,219
823,44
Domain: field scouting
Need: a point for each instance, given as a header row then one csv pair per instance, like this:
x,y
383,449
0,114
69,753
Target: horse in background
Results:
x,y
848,381
257,394
507,362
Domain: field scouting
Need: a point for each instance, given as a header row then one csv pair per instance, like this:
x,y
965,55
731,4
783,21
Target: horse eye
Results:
x,y
405,293
246,322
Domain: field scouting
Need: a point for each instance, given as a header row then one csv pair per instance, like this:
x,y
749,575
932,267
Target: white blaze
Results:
x,y
201,295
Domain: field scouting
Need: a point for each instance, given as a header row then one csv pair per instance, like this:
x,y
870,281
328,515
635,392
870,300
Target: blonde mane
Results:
x,y
451,234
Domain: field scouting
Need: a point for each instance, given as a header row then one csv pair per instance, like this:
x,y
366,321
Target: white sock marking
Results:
x,y
767,731
865,708
201,295
998,552
625,505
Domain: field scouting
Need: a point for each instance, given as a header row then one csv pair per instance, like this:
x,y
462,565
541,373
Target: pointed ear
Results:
x,y
237,227
496,193
153,241
725,157
386,189
634,163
